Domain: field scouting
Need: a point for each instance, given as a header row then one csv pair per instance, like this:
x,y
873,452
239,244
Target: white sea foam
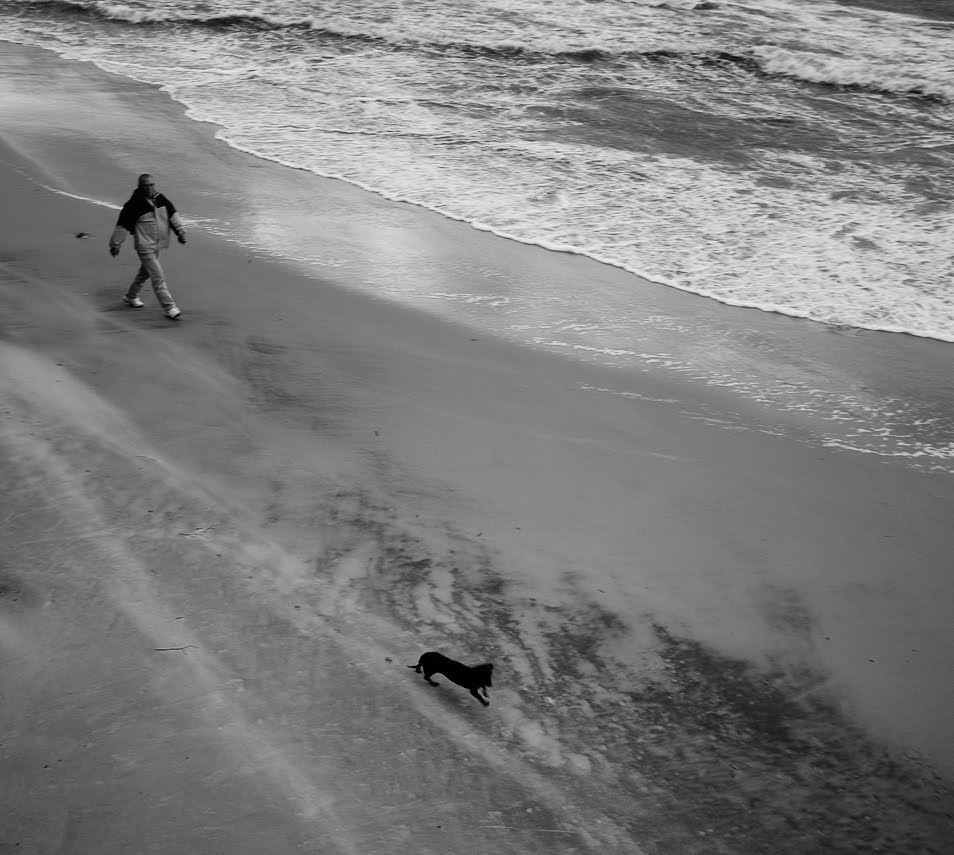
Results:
x,y
484,140
120,11
886,75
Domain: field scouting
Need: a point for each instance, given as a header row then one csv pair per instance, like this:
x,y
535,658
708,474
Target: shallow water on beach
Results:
x,y
794,157
829,385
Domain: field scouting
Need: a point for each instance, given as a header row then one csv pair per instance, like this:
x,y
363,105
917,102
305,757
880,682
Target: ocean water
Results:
x,y
789,155
795,156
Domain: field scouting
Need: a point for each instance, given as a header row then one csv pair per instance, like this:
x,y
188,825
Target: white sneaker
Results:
x,y
135,302
173,313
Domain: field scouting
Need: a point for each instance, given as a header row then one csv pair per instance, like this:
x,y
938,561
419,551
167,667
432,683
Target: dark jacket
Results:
x,y
148,221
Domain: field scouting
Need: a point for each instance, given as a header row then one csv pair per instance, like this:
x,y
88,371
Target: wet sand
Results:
x,y
224,539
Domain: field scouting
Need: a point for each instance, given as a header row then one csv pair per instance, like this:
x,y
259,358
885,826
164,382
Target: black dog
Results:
x,y
476,679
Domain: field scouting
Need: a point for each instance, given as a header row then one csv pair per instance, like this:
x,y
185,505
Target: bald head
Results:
x,y
147,184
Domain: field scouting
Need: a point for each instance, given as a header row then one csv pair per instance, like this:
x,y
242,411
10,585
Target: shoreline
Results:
x,y
303,485
839,315
882,394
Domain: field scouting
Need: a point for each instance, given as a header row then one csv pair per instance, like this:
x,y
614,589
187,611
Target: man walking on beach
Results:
x,y
148,216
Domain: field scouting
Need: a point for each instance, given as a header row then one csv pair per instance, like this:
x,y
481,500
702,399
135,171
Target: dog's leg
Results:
x,y
428,678
476,694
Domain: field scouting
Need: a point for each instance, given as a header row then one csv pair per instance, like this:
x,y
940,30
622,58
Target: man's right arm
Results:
x,y
116,240
122,230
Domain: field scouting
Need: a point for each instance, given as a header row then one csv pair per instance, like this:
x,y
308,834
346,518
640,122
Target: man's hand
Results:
x,y
182,237
113,251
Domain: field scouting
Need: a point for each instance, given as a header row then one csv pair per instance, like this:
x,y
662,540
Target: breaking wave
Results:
x,y
901,79
851,73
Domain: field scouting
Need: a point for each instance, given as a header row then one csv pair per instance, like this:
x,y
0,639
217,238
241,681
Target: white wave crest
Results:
x,y
676,5
121,12
845,71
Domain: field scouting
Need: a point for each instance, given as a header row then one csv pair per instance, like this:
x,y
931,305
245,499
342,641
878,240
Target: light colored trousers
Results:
x,y
151,269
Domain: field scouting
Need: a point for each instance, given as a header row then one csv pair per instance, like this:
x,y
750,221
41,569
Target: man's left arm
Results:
x,y
175,222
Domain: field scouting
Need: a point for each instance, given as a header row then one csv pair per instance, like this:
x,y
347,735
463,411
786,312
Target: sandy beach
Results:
x,y
223,539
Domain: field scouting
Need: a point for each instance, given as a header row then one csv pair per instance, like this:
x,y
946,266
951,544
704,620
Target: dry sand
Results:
x,y
224,539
